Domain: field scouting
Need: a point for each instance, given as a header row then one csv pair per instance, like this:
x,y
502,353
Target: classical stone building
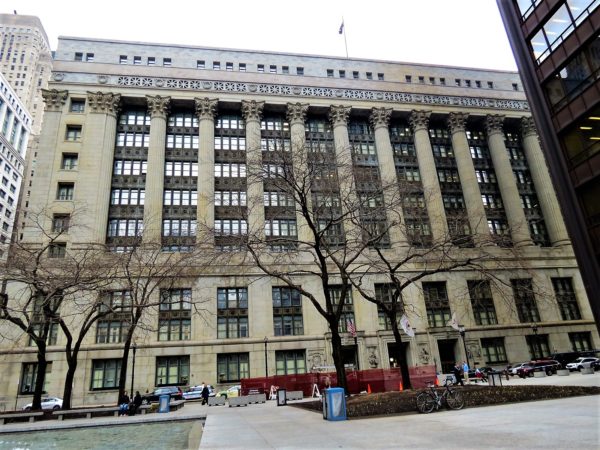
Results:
x,y
159,136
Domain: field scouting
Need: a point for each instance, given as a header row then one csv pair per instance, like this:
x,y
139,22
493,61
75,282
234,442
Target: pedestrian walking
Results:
x,y
458,373
205,393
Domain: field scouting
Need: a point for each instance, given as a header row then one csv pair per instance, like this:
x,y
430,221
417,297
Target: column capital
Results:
x,y
419,119
338,115
296,112
158,106
107,103
380,117
494,124
457,122
252,110
528,126
206,108
54,99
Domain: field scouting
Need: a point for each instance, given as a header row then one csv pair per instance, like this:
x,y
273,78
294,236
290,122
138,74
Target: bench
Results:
x,y
216,401
177,404
87,411
238,401
30,415
257,398
294,395
143,409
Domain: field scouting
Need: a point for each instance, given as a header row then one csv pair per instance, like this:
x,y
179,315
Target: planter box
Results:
x,y
539,374
238,401
294,395
216,401
563,372
587,370
257,398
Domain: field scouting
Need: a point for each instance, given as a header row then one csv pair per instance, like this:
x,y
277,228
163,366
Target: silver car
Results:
x,y
195,392
47,403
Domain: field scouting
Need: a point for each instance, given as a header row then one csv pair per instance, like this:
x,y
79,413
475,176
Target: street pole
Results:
x,y
536,344
134,348
462,332
266,360
356,345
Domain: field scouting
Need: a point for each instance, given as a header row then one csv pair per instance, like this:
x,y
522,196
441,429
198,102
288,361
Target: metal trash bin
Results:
x,y
164,403
281,397
334,404
494,378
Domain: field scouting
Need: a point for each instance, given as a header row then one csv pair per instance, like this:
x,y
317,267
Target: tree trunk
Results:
x,y
40,376
123,373
69,377
336,353
400,354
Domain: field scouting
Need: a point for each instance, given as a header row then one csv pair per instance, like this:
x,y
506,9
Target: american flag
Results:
x,y
351,327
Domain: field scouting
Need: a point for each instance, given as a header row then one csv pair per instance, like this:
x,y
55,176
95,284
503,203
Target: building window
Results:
x,y
242,67
174,323
229,66
290,362
176,197
179,227
52,336
380,76
384,293
65,191
369,75
111,331
230,143
525,300
230,170
468,83
421,79
232,313
167,62
581,341
73,133
137,60
29,376
123,59
69,161
230,198
272,69
457,82
280,227
287,312
200,64
347,315
127,167
172,370
260,68
105,374
482,302
538,345
276,198
175,169
77,106
431,80
299,70
60,223
437,304
125,227
443,81
515,87
57,250
285,70
78,56
330,73
231,227
342,73
490,85
565,296
233,367
494,351
151,60
127,196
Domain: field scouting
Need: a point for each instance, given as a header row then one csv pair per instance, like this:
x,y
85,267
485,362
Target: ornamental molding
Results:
x,y
252,110
206,108
494,124
54,99
419,119
318,92
338,115
296,112
158,106
107,103
380,117
528,127
457,122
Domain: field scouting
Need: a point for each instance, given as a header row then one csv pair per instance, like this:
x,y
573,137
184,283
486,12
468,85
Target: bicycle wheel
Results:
x,y
454,400
425,402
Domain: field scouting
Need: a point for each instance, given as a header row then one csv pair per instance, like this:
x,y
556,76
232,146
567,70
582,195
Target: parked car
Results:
x,y
565,358
543,365
173,391
582,362
195,392
513,370
233,391
47,403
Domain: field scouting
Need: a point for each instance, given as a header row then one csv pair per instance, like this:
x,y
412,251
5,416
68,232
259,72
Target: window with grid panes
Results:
x,y
177,197
275,198
290,362
538,345
482,302
230,143
234,227
230,170
566,299
133,139
347,309
274,144
73,133
525,300
418,231
385,293
493,350
130,196
105,374
134,118
232,313
179,169
174,319
437,304
60,223
179,227
172,370
51,337
230,198
280,227
116,309
581,341
331,232
125,227
57,250
29,376
287,312
128,167
233,367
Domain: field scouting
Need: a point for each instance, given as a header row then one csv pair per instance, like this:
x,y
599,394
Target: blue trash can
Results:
x,y
334,404
164,403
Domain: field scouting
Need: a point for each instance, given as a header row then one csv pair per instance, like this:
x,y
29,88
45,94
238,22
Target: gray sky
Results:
x,y
451,32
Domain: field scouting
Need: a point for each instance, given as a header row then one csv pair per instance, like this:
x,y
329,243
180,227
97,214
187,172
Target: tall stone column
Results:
x,y
468,179
252,111
380,119
101,129
155,176
519,228
296,115
543,184
206,109
419,121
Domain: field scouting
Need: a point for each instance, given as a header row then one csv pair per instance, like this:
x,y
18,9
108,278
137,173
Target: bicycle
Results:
x,y
428,400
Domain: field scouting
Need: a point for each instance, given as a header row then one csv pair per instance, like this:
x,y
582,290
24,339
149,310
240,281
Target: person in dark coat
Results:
x,y
457,371
205,393
123,404
137,402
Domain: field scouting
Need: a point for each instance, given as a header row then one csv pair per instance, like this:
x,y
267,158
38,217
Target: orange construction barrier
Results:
x,y
437,381
401,387
368,388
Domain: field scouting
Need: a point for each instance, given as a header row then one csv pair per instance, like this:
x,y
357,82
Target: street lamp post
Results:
x,y
462,332
536,349
134,348
266,360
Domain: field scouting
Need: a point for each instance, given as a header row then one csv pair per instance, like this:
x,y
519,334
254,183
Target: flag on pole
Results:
x,y
406,326
453,322
351,327
341,28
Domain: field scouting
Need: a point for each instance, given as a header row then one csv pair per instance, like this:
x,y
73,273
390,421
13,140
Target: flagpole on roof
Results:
x,y
343,31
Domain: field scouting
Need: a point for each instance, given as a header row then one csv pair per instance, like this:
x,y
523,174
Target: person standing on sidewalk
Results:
x,y
465,368
458,374
205,393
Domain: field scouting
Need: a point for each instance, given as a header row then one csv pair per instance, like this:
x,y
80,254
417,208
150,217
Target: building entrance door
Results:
x,y
447,355
349,356
393,352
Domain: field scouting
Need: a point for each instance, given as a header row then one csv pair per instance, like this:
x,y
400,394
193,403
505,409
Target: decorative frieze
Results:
x,y
107,103
296,112
158,106
528,126
252,110
457,122
338,115
419,119
54,99
206,108
494,124
380,117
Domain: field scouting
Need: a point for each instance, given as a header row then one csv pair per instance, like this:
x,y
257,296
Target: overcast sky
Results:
x,y
451,32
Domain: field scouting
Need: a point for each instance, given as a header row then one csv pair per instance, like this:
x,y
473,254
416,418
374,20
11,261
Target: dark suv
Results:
x,y
549,366
172,391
